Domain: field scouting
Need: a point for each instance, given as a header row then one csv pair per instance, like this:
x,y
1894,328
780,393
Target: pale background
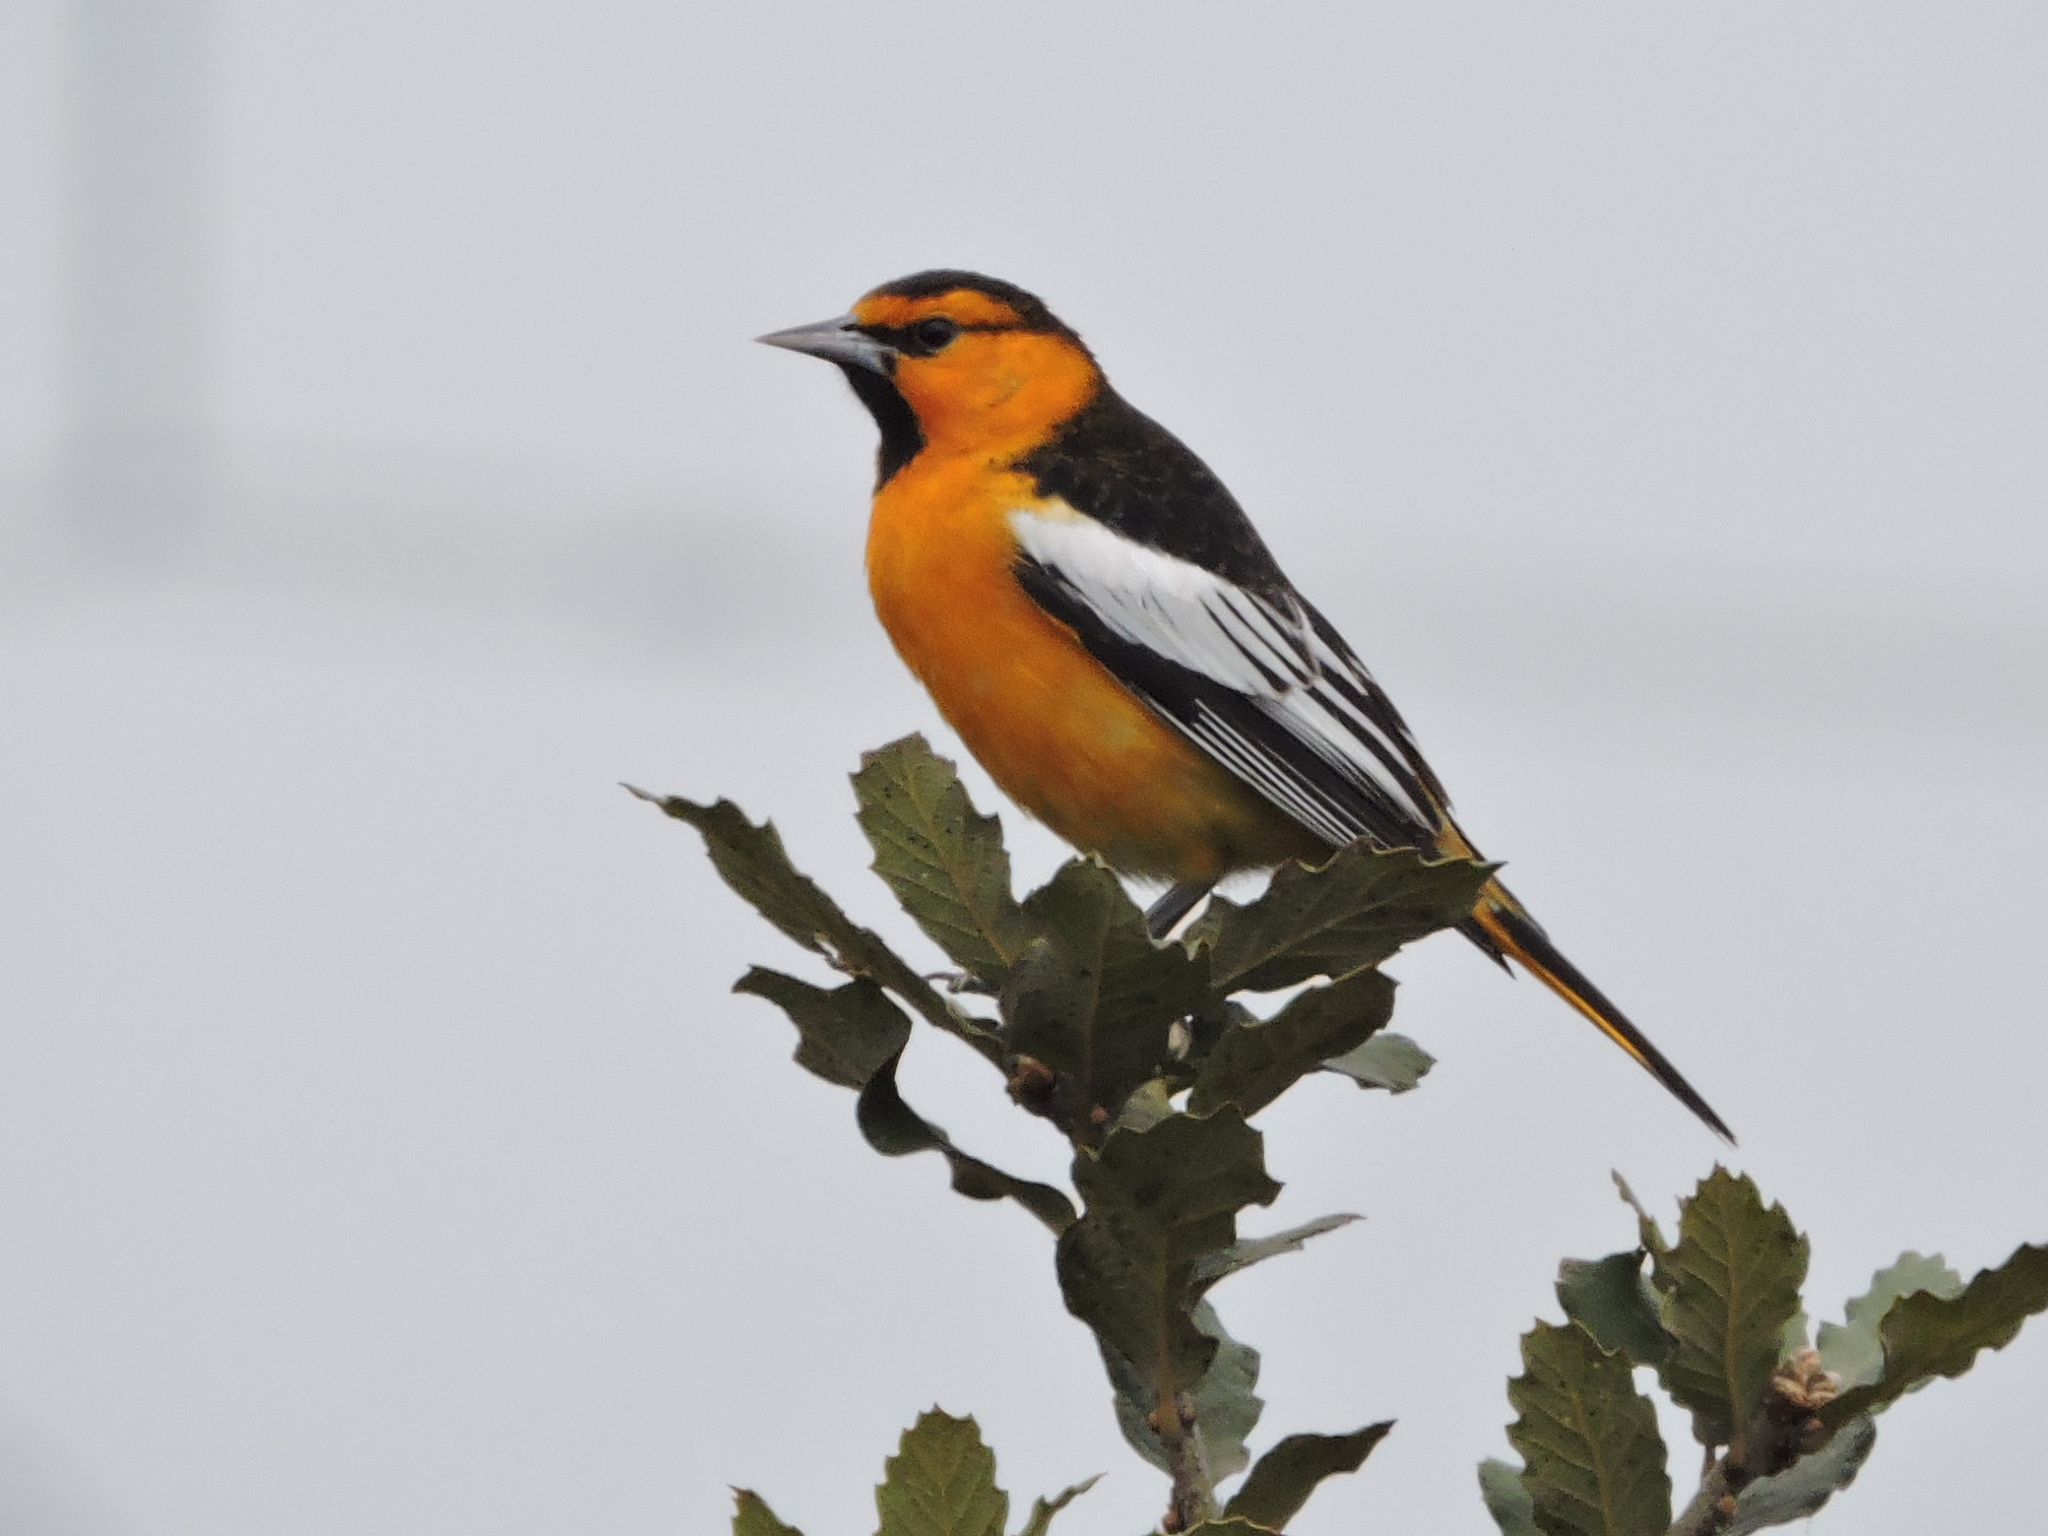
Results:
x,y
1657,402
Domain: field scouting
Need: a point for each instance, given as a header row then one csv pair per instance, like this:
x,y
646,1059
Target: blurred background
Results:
x,y
1657,401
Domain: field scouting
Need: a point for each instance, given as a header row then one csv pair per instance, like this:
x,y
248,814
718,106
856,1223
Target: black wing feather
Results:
x,y
1123,470
1314,789
1120,467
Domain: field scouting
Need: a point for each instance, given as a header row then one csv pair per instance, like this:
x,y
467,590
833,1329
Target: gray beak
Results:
x,y
837,341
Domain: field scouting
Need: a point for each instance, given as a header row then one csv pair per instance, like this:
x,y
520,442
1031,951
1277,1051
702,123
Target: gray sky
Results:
x,y
1655,401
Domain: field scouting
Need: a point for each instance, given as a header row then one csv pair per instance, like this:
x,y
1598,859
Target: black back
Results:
x,y
1117,465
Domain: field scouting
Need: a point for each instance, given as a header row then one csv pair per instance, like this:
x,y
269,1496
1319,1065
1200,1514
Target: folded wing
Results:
x,y
1254,677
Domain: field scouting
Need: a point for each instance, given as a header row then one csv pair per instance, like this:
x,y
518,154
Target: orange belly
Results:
x,y
1052,726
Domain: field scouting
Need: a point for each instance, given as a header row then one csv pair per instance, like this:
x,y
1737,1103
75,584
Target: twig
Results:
x,y
1194,1491
1711,1509
1786,1427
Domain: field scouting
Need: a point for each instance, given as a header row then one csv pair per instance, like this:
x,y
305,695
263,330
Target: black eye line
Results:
x,y
897,335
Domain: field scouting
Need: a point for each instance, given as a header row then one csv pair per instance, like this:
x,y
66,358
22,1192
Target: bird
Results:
x,y
1098,620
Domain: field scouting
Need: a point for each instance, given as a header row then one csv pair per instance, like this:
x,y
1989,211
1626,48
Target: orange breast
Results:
x,y
1053,727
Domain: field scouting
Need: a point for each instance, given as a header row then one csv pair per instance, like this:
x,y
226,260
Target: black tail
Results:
x,y
1506,929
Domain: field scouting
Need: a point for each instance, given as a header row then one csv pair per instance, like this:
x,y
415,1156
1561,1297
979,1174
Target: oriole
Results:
x,y
1097,618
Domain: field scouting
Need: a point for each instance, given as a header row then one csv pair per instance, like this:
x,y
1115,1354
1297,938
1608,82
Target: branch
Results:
x,y
1711,1509
1786,1427
1194,1491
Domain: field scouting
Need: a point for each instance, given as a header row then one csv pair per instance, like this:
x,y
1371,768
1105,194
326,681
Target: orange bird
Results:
x,y
1096,616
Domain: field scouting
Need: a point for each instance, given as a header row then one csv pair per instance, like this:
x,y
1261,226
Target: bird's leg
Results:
x,y
1165,914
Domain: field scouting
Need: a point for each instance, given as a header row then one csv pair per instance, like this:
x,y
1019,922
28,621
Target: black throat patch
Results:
x,y
902,438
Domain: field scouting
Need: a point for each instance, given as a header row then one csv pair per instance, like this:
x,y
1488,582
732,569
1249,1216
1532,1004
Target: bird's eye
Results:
x,y
934,333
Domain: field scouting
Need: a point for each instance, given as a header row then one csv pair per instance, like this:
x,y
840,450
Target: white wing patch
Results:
x,y
1297,679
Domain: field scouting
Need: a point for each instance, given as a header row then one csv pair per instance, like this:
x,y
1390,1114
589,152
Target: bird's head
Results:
x,y
955,362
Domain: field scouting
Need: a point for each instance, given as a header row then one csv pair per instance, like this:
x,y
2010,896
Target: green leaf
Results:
x,y
1157,1202
1387,1060
1151,1103
1792,1338
894,1129
1731,1285
1043,1510
1594,1464
1646,1225
941,1482
1094,999
945,861
1852,1350
1351,912
751,860
751,1516
1611,1300
1802,1488
1285,1476
1252,1065
854,1036
1500,1485
1242,1255
1925,1335
844,1035
1227,1404
1236,1527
